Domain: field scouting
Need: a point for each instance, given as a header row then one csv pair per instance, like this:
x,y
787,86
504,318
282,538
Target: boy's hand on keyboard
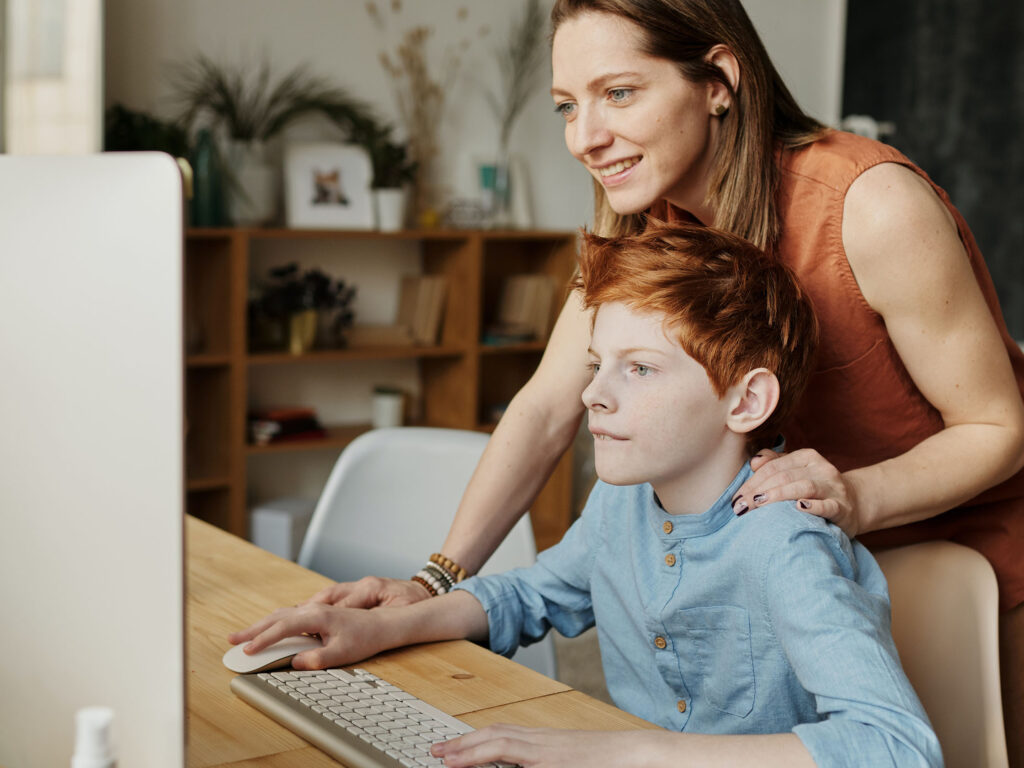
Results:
x,y
348,634
369,592
541,748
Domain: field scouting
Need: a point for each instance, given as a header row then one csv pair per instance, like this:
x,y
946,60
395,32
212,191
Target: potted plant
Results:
x,y
297,309
250,109
393,170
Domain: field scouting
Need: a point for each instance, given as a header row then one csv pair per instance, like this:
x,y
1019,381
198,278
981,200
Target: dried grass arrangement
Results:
x,y
420,92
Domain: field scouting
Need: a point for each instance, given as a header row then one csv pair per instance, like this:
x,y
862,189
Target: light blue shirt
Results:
x,y
765,623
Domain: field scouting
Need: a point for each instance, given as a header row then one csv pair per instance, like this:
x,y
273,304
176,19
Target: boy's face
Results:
x,y
652,410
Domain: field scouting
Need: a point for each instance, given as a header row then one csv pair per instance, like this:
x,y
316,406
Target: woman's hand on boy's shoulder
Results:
x,y
805,477
370,592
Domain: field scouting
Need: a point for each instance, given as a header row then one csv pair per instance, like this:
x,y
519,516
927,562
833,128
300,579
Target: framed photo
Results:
x,y
327,186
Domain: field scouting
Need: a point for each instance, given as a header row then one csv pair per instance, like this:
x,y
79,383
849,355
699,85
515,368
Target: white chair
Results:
x,y
389,502
945,623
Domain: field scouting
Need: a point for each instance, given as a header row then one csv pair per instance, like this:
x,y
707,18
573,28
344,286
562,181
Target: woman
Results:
x,y
914,408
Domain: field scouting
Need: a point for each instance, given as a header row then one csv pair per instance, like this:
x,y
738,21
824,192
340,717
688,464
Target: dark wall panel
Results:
x,y
950,75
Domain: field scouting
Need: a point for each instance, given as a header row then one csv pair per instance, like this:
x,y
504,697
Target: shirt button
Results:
x,y
667,527
660,643
670,560
681,705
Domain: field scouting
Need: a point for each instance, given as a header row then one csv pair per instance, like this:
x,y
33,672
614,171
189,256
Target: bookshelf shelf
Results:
x,y
461,381
354,353
208,484
336,439
207,361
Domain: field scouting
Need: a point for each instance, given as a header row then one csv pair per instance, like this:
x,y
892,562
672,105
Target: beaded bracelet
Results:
x,y
441,575
456,570
420,580
436,586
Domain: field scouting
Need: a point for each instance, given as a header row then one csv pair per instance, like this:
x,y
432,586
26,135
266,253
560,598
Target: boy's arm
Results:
x,y
551,748
352,634
834,628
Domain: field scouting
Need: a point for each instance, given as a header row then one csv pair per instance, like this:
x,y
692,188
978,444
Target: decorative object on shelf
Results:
x,y
420,97
524,313
296,311
519,63
420,312
393,172
280,425
389,204
207,205
388,407
467,214
301,331
328,186
241,102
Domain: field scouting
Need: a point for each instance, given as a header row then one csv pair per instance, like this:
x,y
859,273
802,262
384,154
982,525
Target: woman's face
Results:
x,y
641,129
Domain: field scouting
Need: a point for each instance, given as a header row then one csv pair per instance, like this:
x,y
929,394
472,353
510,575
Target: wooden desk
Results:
x,y
231,583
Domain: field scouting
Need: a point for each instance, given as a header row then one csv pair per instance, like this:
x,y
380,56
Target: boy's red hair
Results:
x,y
731,307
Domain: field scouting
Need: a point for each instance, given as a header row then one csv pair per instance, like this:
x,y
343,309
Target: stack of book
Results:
x,y
525,311
420,312
280,425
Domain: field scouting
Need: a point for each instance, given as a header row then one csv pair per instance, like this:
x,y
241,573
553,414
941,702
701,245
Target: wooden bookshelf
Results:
x,y
461,379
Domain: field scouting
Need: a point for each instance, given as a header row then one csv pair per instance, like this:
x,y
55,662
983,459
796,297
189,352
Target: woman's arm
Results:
x,y
905,253
537,428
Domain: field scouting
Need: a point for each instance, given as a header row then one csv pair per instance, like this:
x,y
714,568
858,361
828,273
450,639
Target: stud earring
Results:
x,y
720,109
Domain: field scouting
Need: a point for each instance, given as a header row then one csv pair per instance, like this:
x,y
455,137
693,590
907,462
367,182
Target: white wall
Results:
x,y
336,37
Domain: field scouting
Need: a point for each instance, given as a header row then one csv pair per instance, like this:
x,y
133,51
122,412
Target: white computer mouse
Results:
x,y
274,656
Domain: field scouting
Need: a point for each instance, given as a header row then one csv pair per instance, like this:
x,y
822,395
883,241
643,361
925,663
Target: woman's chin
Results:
x,y
626,203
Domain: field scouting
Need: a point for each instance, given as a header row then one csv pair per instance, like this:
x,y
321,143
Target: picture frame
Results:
x,y
327,186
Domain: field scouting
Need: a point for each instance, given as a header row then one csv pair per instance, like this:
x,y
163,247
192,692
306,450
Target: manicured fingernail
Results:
x,y
759,455
804,504
736,498
740,508
759,498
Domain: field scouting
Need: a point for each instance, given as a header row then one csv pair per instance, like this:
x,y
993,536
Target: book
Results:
x,y
525,309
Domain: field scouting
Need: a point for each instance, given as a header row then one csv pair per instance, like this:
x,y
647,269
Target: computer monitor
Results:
x,y
91,456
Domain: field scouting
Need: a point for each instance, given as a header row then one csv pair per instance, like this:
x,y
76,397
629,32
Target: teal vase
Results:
x,y
207,208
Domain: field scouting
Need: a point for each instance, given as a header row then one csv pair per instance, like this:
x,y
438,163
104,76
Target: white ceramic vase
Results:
x,y
252,194
390,204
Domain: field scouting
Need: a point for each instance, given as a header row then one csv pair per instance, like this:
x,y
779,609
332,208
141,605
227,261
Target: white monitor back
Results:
x,y
91,457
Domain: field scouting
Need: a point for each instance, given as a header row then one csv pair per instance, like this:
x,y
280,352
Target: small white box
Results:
x,y
279,525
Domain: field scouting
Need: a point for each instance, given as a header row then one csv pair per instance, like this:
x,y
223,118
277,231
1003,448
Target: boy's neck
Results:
x,y
694,491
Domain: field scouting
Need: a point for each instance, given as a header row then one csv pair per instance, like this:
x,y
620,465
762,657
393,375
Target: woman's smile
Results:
x,y
640,128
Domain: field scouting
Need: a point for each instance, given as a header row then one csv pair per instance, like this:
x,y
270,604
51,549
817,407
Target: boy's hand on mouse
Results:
x,y
803,476
348,634
370,592
543,747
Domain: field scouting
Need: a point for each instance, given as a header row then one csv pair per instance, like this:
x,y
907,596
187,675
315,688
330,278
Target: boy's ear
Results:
x,y
752,400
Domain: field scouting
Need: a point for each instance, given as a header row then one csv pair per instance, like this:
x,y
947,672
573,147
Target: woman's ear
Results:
x,y
721,100
752,401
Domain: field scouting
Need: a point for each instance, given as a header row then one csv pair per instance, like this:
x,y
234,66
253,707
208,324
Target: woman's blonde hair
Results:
x,y
763,117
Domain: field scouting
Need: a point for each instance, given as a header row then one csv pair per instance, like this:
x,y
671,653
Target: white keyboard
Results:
x,y
354,716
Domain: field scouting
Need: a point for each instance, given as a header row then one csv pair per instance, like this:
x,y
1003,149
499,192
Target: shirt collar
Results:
x,y
709,521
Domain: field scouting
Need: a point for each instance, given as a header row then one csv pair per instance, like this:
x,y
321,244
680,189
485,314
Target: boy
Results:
x,y
771,627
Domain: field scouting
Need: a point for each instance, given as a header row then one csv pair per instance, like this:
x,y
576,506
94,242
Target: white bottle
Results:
x,y
93,745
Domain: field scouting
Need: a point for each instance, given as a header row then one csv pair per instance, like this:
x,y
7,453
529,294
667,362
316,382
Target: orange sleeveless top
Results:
x,y
861,406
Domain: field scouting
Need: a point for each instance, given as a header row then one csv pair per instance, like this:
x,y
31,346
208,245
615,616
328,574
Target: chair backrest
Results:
x,y
389,501
945,623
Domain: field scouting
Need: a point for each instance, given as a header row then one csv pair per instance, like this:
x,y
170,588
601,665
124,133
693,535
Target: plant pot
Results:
x,y
390,204
252,198
302,331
